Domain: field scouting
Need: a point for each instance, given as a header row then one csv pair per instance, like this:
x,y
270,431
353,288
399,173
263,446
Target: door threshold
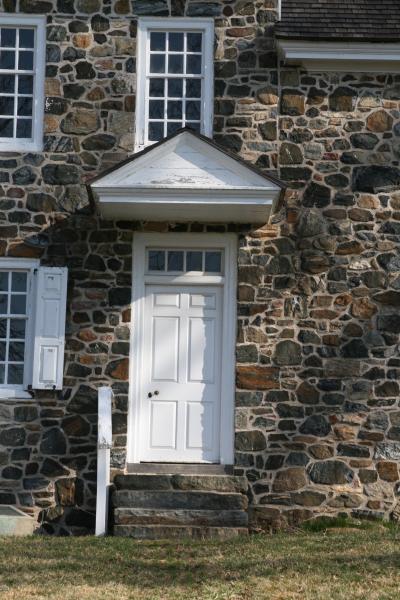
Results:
x,y
179,469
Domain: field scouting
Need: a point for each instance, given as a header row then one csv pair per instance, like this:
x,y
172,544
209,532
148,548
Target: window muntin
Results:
x,y
174,77
175,81
14,285
178,261
21,82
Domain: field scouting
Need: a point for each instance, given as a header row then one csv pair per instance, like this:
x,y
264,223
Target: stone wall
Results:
x,y
317,414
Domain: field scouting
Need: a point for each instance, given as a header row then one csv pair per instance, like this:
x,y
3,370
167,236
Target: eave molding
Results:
x,y
339,56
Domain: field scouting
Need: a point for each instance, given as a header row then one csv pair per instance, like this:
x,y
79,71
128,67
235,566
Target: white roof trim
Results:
x,y
183,179
336,56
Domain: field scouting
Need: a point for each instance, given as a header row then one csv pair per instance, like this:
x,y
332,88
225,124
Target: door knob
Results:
x,y
155,393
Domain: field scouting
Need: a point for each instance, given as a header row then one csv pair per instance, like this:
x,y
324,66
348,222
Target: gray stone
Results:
x,y
331,472
287,352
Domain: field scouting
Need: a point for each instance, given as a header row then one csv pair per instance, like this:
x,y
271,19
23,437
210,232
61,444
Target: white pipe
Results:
x,y
104,443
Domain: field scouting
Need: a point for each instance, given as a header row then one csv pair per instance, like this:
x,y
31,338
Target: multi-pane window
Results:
x,y
13,326
174,78
184,261
21,83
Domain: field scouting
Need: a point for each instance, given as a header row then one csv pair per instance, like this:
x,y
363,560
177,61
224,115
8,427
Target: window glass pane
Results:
x,y
175,88
3,350
173,127
156,131
157,40
175,63
3,304
156,260
7,59
18,304
157,63
175,260
6,105
8,37
25,107
194,126
17,329
7,84
194,42
156,87
15,374
156,109
175,109
213,262
193,88
6,128
18,281
3,281
193,64
175,42
2,373
16,351
26,38
25,62
24,128
3,328
25,84
194,261
193,110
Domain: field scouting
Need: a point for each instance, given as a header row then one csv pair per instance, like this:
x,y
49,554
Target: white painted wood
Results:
x,y
38,22
104,443
181,395
336,56
198,289
184,179
147,24
49,338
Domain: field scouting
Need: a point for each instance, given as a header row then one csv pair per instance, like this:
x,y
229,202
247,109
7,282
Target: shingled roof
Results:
x,y
357,20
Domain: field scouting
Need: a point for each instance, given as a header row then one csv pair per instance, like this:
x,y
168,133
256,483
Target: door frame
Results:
x,y
226,242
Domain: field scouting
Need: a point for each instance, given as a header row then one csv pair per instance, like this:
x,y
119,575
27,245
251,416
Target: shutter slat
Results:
x,y
51,300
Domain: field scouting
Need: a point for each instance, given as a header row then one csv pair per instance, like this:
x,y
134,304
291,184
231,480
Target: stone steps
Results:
x,y
154,506
157,532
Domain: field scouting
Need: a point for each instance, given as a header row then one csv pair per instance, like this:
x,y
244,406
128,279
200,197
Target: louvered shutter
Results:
x,y
49,328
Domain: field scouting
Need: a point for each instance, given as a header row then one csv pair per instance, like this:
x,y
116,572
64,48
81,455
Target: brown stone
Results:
x,y
82,40
345,432
267,95
66,491
387,470
363,308
289,480
379,121
119,369
307,394
257,377
292,102
321,451
81,121
350,247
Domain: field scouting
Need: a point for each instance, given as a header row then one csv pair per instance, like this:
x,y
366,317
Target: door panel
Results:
x,y
180,404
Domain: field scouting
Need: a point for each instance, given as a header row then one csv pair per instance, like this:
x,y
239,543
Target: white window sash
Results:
x,y
9,391
39,24
147,24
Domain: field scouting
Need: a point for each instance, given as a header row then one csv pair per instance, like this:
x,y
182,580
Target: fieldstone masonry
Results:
x,y
318,415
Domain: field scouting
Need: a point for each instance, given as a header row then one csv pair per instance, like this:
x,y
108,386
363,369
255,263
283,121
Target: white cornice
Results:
x,y
338,56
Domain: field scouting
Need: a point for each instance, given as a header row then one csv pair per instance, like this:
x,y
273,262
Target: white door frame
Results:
x,y
226,242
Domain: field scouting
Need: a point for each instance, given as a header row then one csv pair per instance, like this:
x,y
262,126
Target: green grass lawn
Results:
x,y
333,564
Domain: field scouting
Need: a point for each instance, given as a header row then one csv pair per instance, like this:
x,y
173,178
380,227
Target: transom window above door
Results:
x,y
175,85
22,42
184,261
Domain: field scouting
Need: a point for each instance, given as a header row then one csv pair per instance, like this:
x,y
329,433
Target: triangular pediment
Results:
x,y
186,161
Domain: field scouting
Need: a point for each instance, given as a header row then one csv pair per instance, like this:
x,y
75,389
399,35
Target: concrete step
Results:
x,y
177,499
180,468
157,532
212,483
196,518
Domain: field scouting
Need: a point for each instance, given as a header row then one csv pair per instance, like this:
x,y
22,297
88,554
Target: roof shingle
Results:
x,y
352,20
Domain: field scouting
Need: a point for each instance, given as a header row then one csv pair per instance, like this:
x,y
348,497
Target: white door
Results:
x,y
181,374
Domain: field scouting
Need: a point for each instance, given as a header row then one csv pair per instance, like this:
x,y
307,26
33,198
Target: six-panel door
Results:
x,y
180,416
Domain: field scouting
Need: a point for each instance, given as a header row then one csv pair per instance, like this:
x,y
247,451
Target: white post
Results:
x,y
104,443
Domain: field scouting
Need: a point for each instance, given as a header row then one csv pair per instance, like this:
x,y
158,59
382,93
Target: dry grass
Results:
x,y
336,565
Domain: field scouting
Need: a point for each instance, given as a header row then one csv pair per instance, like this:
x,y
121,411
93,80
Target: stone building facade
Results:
x,y
317,429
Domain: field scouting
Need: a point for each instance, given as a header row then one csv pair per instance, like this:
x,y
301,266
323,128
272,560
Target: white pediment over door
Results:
x,y
186,177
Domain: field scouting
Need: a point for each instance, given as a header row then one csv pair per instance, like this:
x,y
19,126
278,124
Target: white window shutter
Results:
x,y
49,330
